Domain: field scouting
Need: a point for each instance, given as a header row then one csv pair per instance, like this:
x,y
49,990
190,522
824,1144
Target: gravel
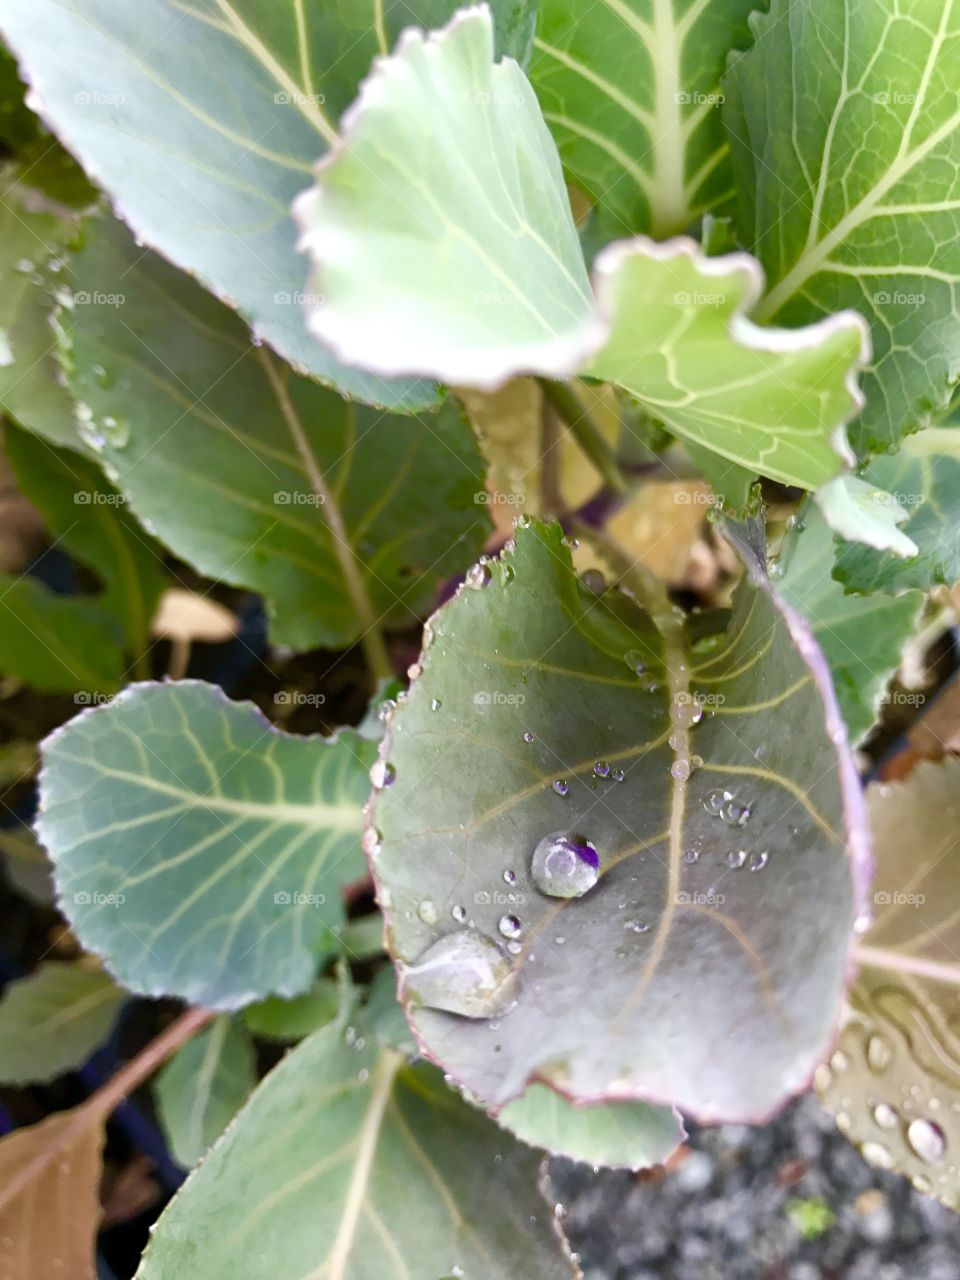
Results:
x,y
790,1201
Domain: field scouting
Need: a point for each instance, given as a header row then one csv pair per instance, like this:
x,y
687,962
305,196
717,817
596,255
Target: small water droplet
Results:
x,y
565,866
635,661
736,858
692,855
510,926
839,1061
735,814
594,581
877,1154
879,1054
680,769
636,926
528,736
601,769
435,704
509,573
561,786
464,973
885,1116
617,775
459,914
510,877
371,842
514,947
927,1140
759,860
427,911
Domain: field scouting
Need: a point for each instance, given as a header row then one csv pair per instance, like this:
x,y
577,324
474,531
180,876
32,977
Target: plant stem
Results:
x,y
569,407
96,1109
371,638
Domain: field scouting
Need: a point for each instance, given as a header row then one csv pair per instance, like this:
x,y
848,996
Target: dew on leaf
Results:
x,y
464,973
735,814
759,860
565,866
594,581
879,1054
617,775
601,769
561,787
736,858
510,877
479,576
382,774
927,1140
510,926
680,769
459,914
877,1154
715,801
691,855
528,736
885,1116
427,911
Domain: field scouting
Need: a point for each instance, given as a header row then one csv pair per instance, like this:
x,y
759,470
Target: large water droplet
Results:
x,y
463,973
510,926
561,786
680,769
479,576
715,801
382,774
735,814
565,866
601,769
927,1140
759,861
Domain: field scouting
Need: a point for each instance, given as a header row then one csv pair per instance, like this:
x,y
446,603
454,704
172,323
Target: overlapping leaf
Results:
x,y
87,516
320,1170
203,1086
53,1020
845,132
631,92
862,638
726,900
199,850
923,481
202,120
40,206
220,451
894,1081
462,261
58,644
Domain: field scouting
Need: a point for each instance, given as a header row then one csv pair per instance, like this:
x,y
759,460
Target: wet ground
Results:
x,y
791,1201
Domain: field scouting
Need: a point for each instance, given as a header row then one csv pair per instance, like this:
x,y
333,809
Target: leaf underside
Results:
x,y
530,682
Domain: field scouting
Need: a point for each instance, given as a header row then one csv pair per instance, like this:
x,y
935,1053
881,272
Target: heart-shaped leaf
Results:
x,y
232,102
557,739
199,850
318,1173
631,92
894,1081
491,279
845,131
257,476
